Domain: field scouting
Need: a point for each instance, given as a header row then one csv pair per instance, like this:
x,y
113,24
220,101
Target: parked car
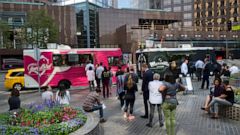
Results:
x,y
14,79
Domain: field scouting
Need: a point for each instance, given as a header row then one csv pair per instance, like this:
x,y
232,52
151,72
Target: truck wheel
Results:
x,y
17,86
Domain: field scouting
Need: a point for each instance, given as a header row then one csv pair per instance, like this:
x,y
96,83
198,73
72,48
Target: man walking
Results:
x,y
184,68
147,77
206,73
199,67
99,71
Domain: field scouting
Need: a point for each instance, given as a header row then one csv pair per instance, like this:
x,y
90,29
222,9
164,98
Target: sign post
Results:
x,y
37,56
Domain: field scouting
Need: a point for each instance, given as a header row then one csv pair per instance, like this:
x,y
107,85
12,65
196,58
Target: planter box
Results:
x,y
231,112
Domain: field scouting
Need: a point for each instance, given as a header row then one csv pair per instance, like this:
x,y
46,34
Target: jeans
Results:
x,y
152,108
199,74
105,86
131,102
98,82
145,101
218,101
205,78
121,95
169,111
91,85
98,107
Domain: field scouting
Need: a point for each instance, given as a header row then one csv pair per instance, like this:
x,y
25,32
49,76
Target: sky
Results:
x,y
123,4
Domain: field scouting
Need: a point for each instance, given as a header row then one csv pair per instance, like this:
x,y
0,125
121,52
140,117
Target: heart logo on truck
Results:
x,y
44,69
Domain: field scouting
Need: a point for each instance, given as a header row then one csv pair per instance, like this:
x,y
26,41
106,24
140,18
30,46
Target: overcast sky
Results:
x,y
123,4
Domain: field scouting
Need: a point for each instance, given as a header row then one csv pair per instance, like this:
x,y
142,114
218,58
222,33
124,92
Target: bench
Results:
x,y
231,112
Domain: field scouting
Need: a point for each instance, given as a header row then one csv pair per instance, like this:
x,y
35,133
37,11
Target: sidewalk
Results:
x,y
190,119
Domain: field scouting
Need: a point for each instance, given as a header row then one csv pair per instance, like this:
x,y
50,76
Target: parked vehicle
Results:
x,y
14,79
67,66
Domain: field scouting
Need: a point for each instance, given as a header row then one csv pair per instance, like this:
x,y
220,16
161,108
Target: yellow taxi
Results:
x,y
14,79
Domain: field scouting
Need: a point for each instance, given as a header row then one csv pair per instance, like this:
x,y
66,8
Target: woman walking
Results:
x,y
105,80
155,99
130,88
169,91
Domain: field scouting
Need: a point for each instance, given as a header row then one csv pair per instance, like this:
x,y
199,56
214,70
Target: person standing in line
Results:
x,y
62,96
91,78
120,87
169,90
105,81
119,71
184,68
199,67
47,95
206,73
155,99
110,80
93,103
89,65
99,71
134,75
147,77
130,88
14,101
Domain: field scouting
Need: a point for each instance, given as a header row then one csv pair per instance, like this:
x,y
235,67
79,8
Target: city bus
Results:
x,y
158,58
66,66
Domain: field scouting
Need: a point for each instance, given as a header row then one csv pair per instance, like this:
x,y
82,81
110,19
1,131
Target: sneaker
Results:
x,y
102,120
161,125
149,125
125,115
131,117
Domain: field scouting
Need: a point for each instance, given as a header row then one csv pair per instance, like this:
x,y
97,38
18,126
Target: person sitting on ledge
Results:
x,y
215,91
93,103
226,98
14,101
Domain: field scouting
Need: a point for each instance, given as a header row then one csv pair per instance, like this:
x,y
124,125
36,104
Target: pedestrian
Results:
x,y
155,99
169,91
47,95
233,69
134,75
226,98
119,71
206,73
93,103
89,65
99,71
147,77
62,96
105,81
225,71
91,78
172,70
130,88
14,101
110,80
184,68
120,88
199,67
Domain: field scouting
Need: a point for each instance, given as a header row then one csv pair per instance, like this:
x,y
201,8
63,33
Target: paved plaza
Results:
x,y
190,119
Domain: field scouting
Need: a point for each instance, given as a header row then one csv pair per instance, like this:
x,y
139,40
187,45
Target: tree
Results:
x,y
40,29
4,34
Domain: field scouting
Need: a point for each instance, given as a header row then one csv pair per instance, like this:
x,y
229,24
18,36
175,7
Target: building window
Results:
x,y
167,9
177,2
187,1
187,8
187,16
177,9
188,23
167,2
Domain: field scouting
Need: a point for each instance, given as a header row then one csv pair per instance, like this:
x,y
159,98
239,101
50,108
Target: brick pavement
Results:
x,y
190,119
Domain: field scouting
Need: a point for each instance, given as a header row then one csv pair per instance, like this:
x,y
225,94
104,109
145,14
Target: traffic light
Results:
x,y
229,25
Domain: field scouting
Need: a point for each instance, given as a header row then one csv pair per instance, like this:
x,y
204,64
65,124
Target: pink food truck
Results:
x,y
67,66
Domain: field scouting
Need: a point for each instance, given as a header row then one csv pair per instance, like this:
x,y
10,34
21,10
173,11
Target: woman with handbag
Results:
x,y
169,91
130,88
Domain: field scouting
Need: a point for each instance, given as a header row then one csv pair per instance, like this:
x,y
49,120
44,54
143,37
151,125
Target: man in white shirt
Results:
x,y
199,67
89,65
184,67
155,99
233,69
99,71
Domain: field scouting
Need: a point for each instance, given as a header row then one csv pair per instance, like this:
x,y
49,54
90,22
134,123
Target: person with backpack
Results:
x,y
105,81
120,87
130,88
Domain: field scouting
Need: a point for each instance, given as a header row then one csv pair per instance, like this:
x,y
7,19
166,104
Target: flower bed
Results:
x,y
45,118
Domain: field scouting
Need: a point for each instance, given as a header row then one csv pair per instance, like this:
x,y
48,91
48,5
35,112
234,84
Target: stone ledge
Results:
x,y
231,112
91,127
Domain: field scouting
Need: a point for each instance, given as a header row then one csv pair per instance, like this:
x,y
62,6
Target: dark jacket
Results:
x,y
14,103
147,77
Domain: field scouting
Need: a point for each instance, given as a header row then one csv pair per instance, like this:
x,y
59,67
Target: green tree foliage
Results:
x,y
4,35
40,29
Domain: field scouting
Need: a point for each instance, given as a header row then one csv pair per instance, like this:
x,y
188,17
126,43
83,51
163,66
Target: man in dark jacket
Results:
x,y
206,73
147,77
